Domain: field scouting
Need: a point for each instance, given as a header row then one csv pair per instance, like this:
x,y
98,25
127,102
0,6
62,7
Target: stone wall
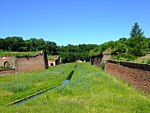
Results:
x,y
134,73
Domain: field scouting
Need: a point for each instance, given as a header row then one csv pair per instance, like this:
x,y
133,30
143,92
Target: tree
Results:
x,y
136,32
2,44
51,48
14,43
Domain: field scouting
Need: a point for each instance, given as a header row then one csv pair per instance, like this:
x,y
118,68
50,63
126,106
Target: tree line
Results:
x,y
129,48
69,53
33,44
126,48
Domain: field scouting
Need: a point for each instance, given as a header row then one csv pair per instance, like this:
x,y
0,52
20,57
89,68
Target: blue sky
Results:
x,y
73,21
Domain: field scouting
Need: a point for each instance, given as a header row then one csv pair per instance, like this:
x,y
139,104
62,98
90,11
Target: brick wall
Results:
x,y
25,63
4,59
96,60
30,63
2,72
134,73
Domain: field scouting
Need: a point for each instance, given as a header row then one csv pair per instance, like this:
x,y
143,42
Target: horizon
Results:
x,y
73,22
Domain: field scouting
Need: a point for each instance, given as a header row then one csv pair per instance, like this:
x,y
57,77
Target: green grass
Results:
x,y
90,91
2,68
52,57
18,53
13,87
129,58
142,60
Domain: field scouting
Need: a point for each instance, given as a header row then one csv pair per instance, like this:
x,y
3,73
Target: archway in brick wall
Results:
x,y
52,64
6,64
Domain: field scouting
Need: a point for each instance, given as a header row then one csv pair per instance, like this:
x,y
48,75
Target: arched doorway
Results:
x,y
6,64
52,64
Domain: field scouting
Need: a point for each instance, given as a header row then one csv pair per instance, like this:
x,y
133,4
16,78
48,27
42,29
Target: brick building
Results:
x,y
25,63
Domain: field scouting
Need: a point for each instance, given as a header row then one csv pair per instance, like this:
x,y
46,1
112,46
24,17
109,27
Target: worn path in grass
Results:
x,y
21,85
89,91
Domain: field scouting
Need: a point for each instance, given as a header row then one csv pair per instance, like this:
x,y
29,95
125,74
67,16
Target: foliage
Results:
x,y
124,57
101,48
71,53
102,65
137,45
143,60
17,44
89,91
136,32
126,49
148,61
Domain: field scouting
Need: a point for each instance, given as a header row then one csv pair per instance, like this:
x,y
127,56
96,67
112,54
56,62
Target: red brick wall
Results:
x,y
32,63
3,59
136,74
7,72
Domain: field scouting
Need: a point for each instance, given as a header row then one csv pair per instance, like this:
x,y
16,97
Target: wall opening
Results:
x,y
6,64
52,64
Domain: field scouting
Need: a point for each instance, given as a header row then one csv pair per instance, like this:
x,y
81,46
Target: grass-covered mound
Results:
x,y
90,91
2,53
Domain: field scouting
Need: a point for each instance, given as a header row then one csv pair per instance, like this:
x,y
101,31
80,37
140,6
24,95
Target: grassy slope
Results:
x,y
90,91
13,87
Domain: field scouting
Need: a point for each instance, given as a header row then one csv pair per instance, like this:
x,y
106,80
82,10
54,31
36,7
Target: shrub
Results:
x,y
124,57
102,65
148,61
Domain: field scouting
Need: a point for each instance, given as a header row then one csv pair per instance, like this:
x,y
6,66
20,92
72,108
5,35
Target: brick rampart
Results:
x,y
5,72
134,73
26,63
30,63
4,59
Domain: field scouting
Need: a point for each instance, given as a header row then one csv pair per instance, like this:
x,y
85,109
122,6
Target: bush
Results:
x,y
148,61
124,57
102,65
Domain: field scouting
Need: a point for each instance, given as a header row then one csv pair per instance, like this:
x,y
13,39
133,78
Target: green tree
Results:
x,y
51,48
136,31
14,44
2,44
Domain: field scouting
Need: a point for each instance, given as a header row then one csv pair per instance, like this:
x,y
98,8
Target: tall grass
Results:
x,y
142,60
13,87
89,91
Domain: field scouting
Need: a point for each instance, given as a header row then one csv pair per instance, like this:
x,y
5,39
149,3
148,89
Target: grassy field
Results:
x,y
89,91
13,87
